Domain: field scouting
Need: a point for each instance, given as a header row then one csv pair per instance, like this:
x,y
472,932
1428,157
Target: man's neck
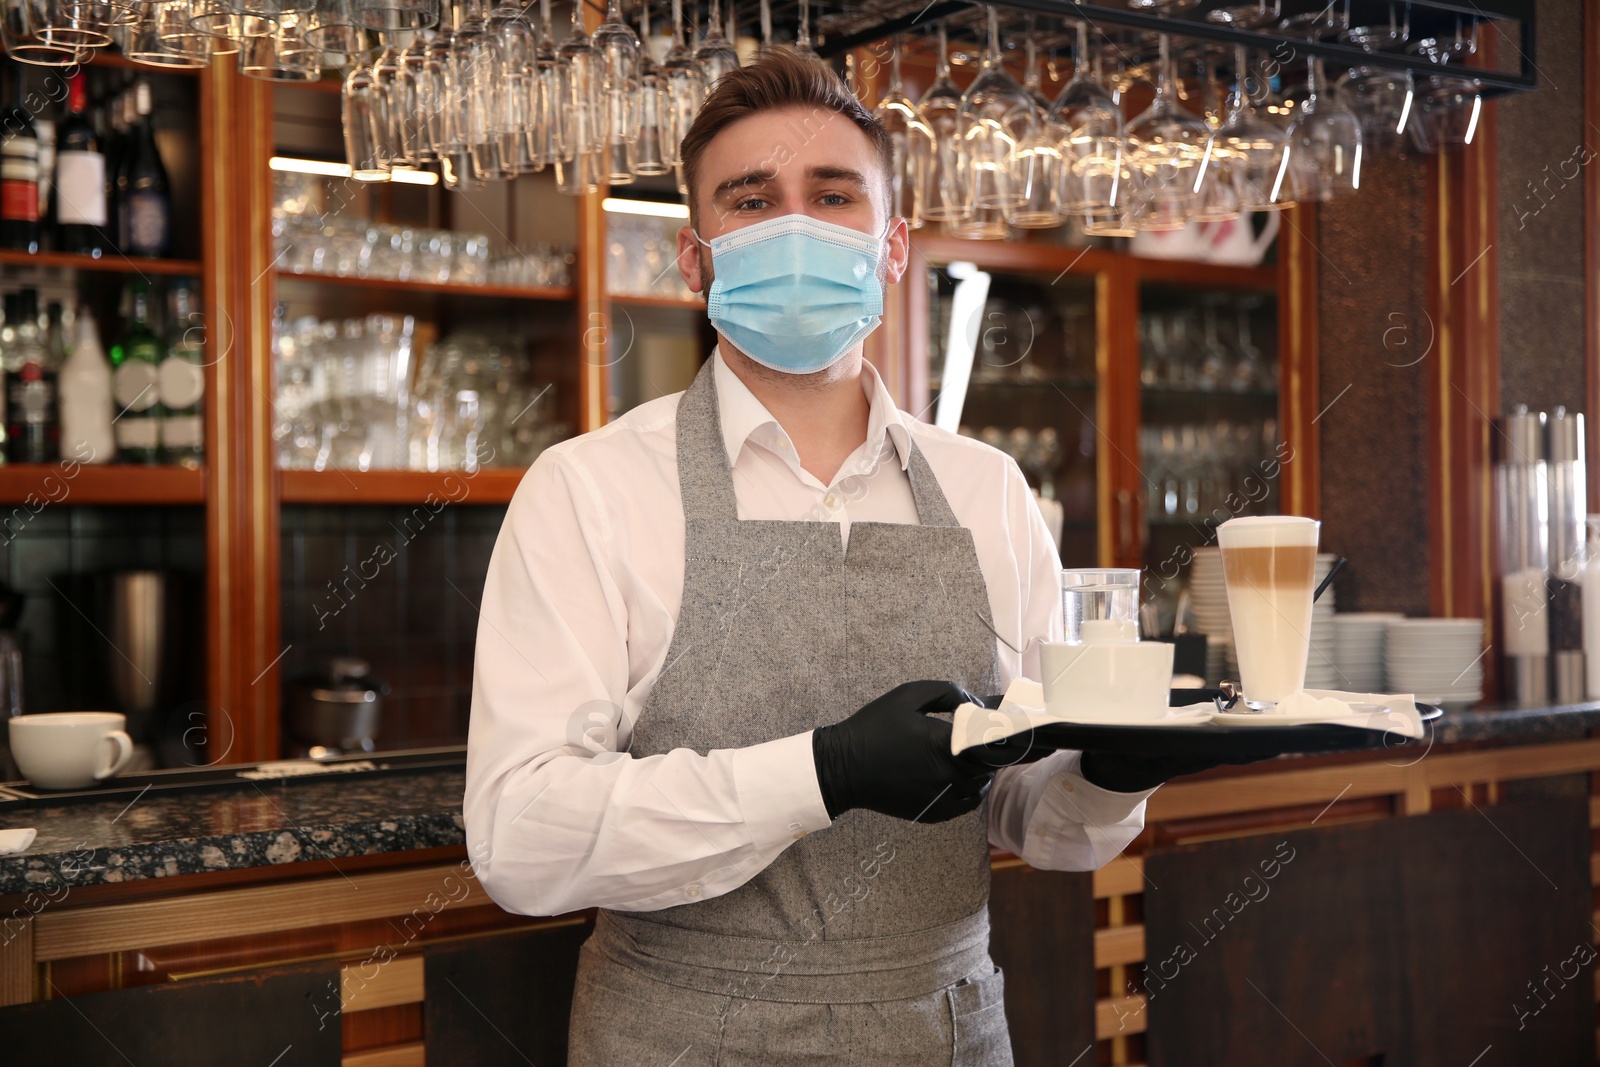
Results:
x,y
825,414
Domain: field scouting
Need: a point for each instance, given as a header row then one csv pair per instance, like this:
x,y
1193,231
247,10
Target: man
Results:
x,y
717,634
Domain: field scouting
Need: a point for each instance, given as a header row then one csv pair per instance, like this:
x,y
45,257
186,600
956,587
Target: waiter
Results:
x,y
717,633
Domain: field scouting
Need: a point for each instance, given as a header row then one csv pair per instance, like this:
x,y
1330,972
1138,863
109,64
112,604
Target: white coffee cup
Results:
x,y
70,749
1107,681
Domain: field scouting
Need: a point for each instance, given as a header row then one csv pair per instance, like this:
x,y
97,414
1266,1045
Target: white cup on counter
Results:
x,y
70,749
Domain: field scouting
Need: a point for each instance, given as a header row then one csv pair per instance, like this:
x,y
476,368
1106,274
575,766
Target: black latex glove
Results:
x,y
1126,772
893,757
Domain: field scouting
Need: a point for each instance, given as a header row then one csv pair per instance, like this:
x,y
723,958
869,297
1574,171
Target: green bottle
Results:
x,y
136,384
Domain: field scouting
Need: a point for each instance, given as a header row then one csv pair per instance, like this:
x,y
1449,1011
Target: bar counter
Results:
x,y
360,886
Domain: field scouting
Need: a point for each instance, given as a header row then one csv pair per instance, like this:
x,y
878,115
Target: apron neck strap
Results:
x,y
706,479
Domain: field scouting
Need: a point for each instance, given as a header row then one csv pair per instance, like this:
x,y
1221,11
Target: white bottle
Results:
x,y
85,389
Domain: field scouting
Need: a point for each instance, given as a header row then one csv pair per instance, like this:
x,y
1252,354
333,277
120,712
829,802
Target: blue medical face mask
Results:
x,y
795,293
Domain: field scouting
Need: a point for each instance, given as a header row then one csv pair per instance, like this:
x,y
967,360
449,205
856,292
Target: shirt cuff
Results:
x,y
1096,805
778,790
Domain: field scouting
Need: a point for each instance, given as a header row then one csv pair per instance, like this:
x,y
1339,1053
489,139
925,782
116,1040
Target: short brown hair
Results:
x,y
781,78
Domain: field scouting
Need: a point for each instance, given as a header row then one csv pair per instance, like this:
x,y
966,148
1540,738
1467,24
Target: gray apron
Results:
x,y
866,942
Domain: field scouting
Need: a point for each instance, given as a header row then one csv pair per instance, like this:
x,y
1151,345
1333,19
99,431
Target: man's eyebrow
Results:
x,y
837,174
744,181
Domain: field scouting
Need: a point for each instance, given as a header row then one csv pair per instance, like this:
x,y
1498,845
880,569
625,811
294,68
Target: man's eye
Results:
x,y
750,203
834,199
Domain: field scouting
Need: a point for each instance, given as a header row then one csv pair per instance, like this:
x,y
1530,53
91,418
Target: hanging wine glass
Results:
x,y
386,116
443,130
685,86
416,90
163,37
579,90
1324,142
1246,16
361,140
474,56
650,151
1251,155
617,50
332,26
387,16
546,134
988,109
1165,147
1093,181
1036,164
285,57
715,54
802,35
512,120
933,146
766,26
896,113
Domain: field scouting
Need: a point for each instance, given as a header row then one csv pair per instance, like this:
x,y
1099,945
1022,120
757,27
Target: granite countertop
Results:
x,y
164,834
161,834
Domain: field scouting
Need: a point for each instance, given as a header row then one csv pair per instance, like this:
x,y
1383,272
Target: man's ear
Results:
x,y
689,258
899,242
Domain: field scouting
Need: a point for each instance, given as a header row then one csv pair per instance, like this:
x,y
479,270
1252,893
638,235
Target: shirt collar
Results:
x,y
743,415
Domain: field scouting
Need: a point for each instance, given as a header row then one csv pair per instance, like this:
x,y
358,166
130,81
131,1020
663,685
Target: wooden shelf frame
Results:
x,y
67,482
487,485
394,285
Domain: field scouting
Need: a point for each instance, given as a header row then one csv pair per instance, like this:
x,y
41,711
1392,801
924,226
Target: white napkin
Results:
x,y
1398,715
1023,709
16,840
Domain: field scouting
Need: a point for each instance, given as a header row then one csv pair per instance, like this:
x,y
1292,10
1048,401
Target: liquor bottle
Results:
x,y
114,115
19,172
145,207
183,381
45,129
32,431
135,384
80,183
86,408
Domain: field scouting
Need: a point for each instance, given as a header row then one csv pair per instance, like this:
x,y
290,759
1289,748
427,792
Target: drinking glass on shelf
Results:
x,y
360,109
1249,154
1094,180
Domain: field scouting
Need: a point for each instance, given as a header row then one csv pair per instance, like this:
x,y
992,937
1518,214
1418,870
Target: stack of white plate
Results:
x,y
1322,670
1438,660
1358,646
1208,596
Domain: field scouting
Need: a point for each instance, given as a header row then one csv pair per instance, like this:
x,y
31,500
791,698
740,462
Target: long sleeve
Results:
x,y
558,815
1046,812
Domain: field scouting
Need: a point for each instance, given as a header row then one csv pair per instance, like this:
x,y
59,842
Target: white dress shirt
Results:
x,y
578,609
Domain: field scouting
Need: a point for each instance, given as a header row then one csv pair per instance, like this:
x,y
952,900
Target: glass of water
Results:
x,y
1100,603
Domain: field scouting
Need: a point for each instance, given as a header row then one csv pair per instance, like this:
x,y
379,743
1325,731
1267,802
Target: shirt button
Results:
x,y
692,892
831,501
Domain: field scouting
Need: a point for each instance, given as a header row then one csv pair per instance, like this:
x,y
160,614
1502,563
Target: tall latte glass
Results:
x,y
1269,565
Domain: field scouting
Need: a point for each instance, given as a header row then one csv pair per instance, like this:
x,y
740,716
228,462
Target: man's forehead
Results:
x,y
790,142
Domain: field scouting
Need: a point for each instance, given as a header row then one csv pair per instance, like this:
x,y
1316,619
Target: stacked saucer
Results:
x,y
1322,669
1439,660
1358,646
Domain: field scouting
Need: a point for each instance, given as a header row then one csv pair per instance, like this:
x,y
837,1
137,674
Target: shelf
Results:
x,y
489,485
113,483
1075,384
513,292
110,261
1198,274
693,303
1174,392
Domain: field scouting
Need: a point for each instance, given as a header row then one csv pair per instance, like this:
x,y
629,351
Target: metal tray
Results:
x,y
236,776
